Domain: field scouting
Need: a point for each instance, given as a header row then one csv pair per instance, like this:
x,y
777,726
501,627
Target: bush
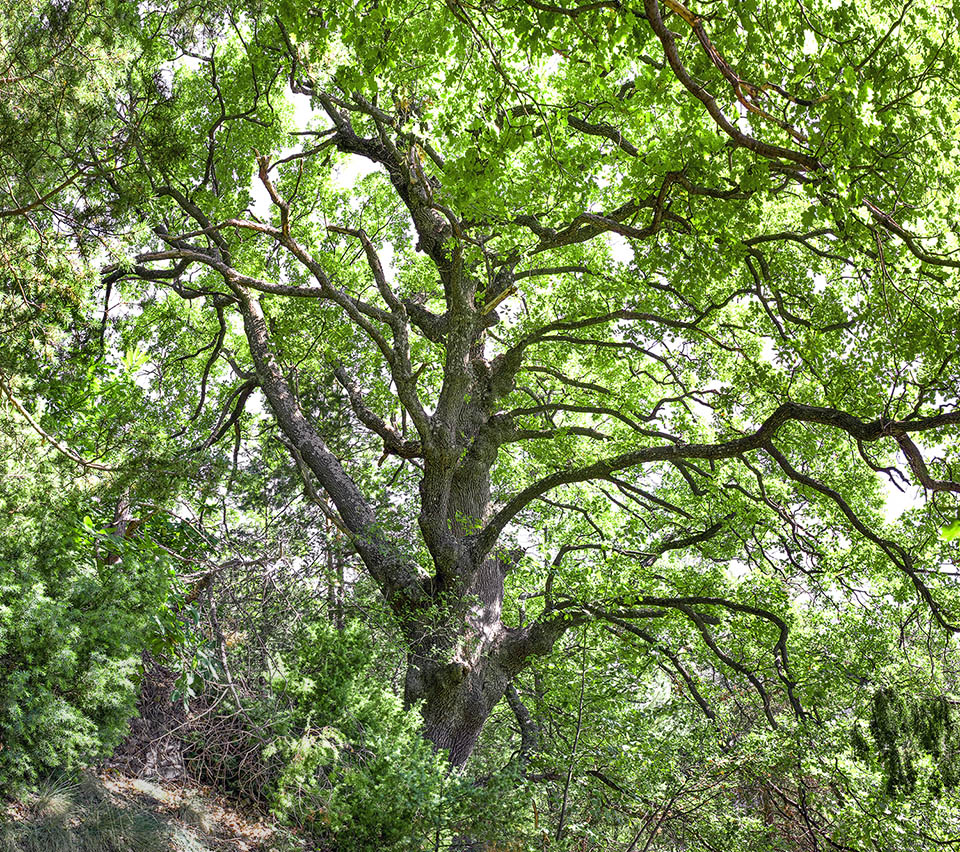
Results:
x,y
72,628
352,763
357,771
325,742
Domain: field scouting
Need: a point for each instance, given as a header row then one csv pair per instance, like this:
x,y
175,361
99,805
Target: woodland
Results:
x,y
486,424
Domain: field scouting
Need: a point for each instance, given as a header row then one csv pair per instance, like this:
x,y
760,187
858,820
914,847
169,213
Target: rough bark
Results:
x,y
457,673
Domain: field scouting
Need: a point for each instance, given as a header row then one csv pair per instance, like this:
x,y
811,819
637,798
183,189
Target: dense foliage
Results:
x,y
75,605
549,411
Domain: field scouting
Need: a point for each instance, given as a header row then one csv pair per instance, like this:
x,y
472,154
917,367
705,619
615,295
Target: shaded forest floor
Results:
x,y
109,811
141,799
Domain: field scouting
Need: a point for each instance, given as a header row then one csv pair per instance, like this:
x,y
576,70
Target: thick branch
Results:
x,y
789,411
392,442
398,580
764,149
414,189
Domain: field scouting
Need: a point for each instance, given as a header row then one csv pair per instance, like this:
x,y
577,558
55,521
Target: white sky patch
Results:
x,y
552,64
347,173
737,569
144,378
897,502
620,250
386,260
191,63
302,109
260,205
256,403
768,352
743,119
605,176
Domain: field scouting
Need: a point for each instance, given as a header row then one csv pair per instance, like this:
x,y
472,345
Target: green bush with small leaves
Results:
x,y
340,757
355,764
76,605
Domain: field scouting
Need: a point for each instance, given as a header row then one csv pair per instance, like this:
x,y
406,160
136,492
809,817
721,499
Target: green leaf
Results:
x,y
951,531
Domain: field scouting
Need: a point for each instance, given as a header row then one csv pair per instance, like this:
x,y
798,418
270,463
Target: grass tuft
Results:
x,y
108,828
9,837
55,801
76,816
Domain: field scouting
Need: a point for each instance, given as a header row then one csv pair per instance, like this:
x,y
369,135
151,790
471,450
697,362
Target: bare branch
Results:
x,y
910,241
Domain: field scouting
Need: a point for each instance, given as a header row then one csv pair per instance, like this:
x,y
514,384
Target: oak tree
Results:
x,y
638,309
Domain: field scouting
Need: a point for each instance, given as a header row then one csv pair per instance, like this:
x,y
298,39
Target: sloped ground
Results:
x,y
143,798
113,812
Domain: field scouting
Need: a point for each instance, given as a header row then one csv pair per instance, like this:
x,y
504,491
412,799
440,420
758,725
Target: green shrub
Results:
x,y
341,759
321,736
72,628
355,766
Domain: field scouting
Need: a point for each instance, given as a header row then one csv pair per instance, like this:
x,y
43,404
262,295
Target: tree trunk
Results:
x,y
453,674
461,657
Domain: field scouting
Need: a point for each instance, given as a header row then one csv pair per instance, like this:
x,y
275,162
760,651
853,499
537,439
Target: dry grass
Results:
x,y
116,813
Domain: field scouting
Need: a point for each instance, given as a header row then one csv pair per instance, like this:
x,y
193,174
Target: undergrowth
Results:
x,y
65,815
